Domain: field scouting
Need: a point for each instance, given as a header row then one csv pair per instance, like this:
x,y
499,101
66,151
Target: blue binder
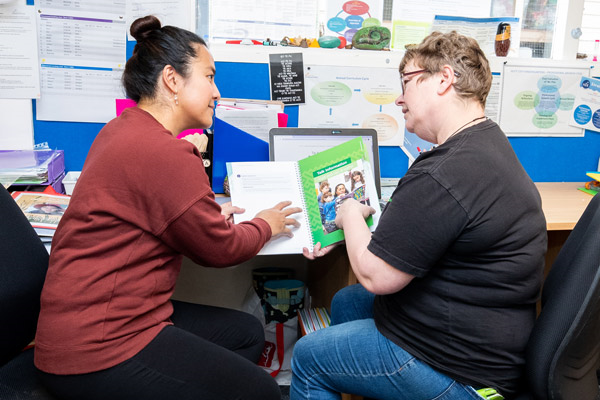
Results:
x,y
233,144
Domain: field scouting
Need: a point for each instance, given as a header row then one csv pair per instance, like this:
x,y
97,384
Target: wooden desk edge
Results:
x,y
562,203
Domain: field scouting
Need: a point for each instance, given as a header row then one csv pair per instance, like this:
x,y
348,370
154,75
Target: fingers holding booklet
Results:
x,y
318,185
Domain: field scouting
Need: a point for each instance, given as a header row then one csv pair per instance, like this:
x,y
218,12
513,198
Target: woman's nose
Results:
x,y
399,100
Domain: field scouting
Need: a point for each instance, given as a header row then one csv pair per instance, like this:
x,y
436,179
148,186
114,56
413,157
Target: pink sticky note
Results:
x,y
123,104
282,120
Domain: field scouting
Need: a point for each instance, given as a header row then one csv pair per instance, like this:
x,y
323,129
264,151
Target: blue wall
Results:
x,y
545,159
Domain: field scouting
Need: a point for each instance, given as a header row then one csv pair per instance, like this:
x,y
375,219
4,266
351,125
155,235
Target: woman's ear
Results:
x,y
170,78
447,79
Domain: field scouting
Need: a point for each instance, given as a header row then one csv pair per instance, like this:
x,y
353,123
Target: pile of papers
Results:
x,y
31,167
43,211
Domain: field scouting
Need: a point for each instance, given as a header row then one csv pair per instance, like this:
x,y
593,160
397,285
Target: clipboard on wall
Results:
x,y
233,143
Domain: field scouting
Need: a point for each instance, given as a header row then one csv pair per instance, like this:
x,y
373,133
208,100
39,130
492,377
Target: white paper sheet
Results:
x,y
82,53
19,65
257,122
411,20
492,104
262,19
263,185
169,12
16,124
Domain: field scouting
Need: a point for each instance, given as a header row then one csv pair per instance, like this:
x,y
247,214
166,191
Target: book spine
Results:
x,y
311,245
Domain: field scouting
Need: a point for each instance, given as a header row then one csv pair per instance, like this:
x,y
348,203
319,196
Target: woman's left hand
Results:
x,y
228,209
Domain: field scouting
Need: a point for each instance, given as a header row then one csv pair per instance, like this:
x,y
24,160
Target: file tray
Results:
x,y
31,167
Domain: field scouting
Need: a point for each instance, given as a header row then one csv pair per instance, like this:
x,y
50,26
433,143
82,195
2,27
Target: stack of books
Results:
x,y
43,211
313,319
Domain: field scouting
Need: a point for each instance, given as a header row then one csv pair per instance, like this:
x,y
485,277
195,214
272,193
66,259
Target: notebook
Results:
x,y
293,144
344,167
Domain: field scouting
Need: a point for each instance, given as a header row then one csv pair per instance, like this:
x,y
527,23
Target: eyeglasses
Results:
x,y
404,82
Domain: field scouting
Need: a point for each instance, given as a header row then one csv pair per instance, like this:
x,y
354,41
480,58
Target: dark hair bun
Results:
x,y
141,27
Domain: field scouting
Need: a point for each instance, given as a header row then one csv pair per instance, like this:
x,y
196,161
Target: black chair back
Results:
x,y
23,266
563,352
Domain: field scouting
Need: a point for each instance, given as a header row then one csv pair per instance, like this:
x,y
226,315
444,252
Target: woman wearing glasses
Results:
x,y
449,280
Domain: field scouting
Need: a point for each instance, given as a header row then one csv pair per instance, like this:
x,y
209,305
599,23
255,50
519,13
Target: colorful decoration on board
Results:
x,y
372,38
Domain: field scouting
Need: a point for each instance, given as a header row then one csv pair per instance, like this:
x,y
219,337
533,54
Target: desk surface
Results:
x,y
562,203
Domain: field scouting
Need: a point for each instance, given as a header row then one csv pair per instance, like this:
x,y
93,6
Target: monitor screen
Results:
x,y
293,144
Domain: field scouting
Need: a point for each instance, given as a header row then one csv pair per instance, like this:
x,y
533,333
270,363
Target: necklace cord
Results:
x,y
461,128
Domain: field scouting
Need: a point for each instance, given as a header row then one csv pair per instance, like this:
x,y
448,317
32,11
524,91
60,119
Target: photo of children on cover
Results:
x,y
334,190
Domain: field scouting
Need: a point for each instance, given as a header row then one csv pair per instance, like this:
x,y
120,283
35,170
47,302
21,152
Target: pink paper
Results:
x,y
282,120
123,104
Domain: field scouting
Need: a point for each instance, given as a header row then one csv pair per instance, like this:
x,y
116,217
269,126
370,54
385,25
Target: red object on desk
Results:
x,y
50,190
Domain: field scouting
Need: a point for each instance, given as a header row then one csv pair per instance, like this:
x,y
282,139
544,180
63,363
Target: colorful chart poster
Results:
x,y
587,105
539,100
345,18
353,97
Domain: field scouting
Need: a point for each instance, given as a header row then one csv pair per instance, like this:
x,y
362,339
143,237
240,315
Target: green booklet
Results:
x,y
345,169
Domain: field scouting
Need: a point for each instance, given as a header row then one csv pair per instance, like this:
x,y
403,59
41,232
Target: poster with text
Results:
x,y
353,97
587,105
539,100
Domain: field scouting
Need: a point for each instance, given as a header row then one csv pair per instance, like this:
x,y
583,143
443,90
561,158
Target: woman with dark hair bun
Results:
x,y
108,328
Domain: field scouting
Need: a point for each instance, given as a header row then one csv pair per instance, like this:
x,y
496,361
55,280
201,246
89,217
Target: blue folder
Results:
x,y
233,144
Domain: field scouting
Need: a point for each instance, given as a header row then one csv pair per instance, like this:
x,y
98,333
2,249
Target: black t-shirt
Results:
x,y
466,221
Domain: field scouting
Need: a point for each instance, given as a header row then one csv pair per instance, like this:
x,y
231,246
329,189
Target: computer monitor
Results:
x,y
293,144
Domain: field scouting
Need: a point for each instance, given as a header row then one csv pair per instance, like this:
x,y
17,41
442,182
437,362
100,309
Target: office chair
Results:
x,y
23,265
563,352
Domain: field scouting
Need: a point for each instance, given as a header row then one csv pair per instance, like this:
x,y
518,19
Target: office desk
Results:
x,y
563,205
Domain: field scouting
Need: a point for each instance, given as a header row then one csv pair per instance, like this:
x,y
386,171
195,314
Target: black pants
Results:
x,y
210,353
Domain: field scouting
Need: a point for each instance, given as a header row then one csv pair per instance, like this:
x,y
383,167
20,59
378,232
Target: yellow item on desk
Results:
x,y
594,175
592,187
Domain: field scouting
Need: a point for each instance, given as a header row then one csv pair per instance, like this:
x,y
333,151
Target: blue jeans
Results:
x,y
351,356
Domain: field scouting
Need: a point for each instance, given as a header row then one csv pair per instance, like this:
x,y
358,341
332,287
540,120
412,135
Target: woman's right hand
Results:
x,y
279,219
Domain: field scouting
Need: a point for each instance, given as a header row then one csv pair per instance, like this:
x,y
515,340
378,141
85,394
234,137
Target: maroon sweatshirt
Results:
x,y
143,201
